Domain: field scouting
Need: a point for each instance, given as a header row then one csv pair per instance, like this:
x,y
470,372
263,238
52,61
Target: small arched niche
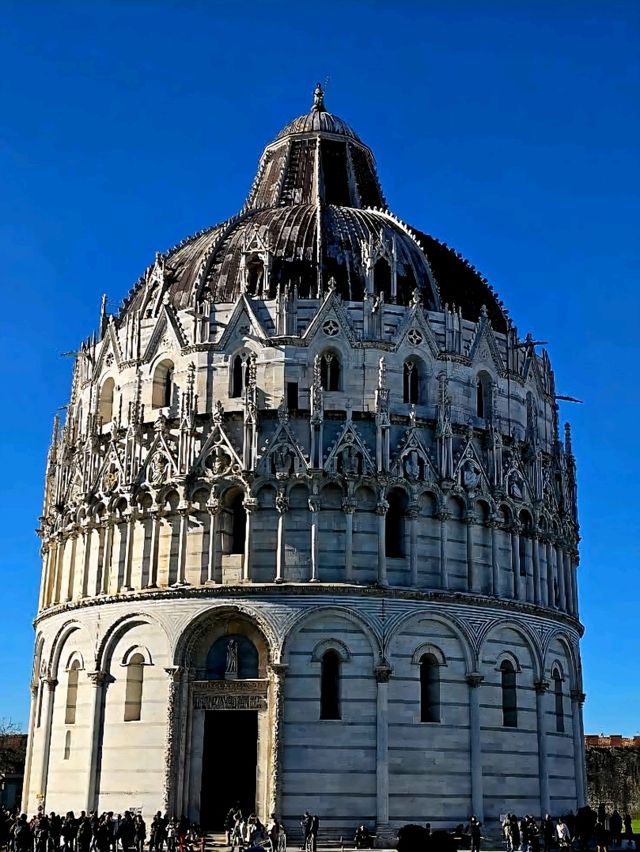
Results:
x,y
163,384
106,400
232,657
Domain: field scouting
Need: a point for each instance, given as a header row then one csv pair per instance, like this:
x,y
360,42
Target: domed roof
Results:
x,y
318,120
316,212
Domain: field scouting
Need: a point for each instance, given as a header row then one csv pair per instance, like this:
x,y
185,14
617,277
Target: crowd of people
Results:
x,y
106,832
128,832
585,829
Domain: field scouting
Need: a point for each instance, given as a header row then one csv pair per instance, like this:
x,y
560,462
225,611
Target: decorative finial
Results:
x,y
318,98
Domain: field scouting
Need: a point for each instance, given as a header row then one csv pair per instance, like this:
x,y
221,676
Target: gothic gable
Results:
x,y
349,455
243,322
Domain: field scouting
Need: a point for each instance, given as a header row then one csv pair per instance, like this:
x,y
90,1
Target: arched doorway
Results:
x,y
228,751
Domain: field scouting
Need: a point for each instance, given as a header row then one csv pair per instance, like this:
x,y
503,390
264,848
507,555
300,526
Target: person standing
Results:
x,y
547,833
315,826
476,835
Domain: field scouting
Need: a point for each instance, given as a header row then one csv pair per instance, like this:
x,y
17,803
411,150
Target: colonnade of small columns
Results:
x,y
82,561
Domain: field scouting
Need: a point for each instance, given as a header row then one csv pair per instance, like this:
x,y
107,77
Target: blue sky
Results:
x,y
509,130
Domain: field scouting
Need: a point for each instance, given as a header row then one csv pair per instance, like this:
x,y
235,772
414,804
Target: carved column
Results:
x,y
472,579
381,511
50,684
132,517
214,508
348,507
87,538
100,681
444,575
551,589
170,795
59,568
541,687
495,562
282,504
413,512
515,561
475,745
153,549
577,700
26,784
537,593
382,674
183,511
568,563
560,575
278,672
314,508
106,555
72,562
251,507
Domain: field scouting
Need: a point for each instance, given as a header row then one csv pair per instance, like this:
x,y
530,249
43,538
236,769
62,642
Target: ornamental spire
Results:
x,y
318,99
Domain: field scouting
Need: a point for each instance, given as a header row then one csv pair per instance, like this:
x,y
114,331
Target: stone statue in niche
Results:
x,y
282,460
412,466
220,461
515,487
159,469
231,668
470,475
350,461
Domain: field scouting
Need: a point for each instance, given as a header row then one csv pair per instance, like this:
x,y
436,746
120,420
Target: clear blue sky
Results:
x,y
510,130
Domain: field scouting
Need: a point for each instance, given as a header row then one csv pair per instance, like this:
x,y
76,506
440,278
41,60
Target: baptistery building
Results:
x,y
309,534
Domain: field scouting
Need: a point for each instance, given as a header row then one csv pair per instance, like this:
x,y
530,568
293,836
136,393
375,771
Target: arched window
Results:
x,y
238,523
255,275
429,689
330,685
483,395
330,371
163,384
67,746
72,693
106,400
411,382
557,689
509,695
382,279
133,693
394,525
239,374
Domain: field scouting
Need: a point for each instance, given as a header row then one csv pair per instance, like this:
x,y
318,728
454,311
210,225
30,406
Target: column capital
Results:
x,y
282,503
382,671
443,515
175,673
578,696
314,504
349,505
99,678
278,670
541,686
50,682
382,507
250,504
474,679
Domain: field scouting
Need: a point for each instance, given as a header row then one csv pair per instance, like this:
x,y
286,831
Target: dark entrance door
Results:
x,y
229,758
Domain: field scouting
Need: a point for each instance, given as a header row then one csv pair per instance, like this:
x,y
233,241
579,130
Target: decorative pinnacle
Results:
x,y
318,99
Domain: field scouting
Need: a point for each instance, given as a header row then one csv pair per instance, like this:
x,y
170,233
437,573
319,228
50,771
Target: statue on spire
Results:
x,y
318,98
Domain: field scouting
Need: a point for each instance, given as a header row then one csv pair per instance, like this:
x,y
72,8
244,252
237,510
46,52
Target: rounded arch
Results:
x,y
163,384
427,649
218,620
507,657
38,655
414,380
106,399
119,629
59,642
332,361
395,628
76,660
320,611
523,632
137,651
572,669
330,645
